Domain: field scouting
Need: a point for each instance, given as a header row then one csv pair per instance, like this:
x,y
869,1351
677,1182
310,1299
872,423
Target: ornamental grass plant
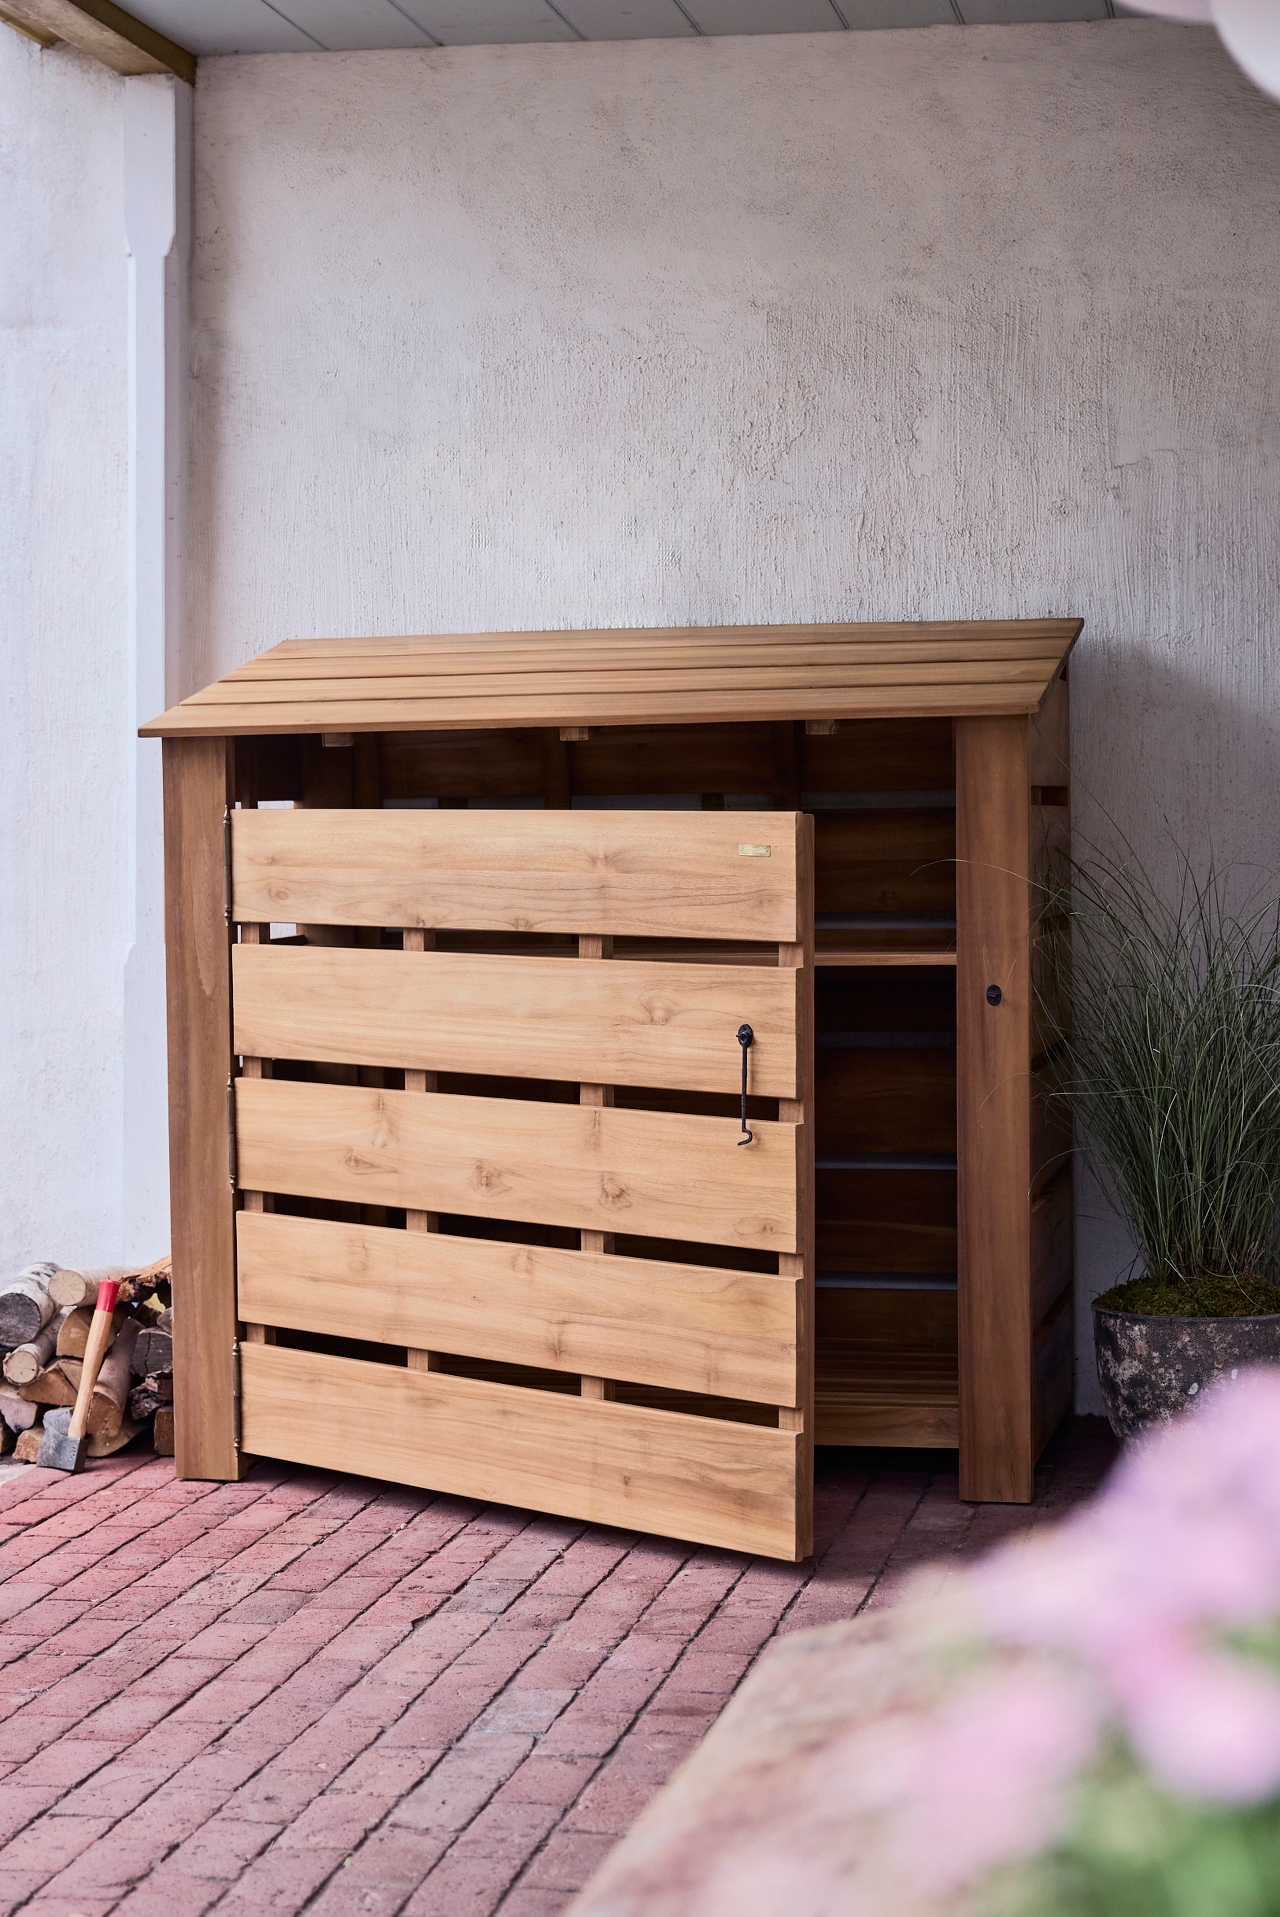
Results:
x,y
1169,1059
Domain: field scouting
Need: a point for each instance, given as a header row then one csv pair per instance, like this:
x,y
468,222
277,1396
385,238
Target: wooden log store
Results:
x,y
470,940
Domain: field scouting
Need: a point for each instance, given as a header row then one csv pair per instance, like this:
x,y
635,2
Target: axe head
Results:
x,y
58,1449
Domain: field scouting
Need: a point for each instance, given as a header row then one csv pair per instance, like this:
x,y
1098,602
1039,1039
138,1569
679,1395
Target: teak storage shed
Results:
x,y
497,1222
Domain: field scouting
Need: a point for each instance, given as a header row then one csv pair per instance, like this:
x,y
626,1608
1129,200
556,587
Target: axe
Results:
x,y
64,1450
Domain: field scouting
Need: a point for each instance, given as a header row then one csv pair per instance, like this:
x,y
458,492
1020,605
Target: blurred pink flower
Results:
x,y
1183,1543
978,1784
1186,1532
1205,1724
992,1776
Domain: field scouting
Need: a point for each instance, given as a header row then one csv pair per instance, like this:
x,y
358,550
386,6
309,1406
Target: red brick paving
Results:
x,y
314,1693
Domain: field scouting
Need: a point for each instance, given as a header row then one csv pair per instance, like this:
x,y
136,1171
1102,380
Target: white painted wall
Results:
x,y
963,322
63,679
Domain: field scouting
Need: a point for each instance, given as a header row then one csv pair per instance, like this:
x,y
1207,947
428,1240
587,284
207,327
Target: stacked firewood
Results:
x,y
45,1313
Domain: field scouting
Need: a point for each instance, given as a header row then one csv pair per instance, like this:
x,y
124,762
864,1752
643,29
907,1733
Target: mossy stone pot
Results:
x,y
1150,1369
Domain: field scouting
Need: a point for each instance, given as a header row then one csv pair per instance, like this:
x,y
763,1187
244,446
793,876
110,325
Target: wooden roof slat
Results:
x,y
507,664
657,638
632,677
533,685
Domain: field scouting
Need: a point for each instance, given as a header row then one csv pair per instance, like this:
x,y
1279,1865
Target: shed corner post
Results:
x,y
993,1087
199,785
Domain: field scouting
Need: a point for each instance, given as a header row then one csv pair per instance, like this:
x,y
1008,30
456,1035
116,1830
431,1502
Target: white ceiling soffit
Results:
x,y
300,26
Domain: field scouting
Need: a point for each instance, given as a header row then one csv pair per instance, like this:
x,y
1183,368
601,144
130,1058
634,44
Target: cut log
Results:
x,y
99,1445
152,1353
111,1393
17,1412
146,1398
27,1447
52,1386
157,1277
67,1287
26,1361
162,1434
25,1306
74,1333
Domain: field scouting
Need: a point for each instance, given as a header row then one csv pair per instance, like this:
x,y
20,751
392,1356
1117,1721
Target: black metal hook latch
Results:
x,y
745,1036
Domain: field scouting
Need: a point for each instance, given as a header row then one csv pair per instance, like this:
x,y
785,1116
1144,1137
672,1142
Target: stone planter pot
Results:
x,y
1150,1369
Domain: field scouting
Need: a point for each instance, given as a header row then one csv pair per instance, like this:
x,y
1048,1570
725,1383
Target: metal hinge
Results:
x,y
233,1168
235,1392
226,863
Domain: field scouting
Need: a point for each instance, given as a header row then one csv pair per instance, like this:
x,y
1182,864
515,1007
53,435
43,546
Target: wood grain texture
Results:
x,y
886,861
889,1101
197,787
624,655
993,1070
1052,1245
537,679
463,765
709,675
678,1326
887,1368
625,1022
886,955
644,875
890,700
886,1221
591,1169
879,755
797,959
708,1480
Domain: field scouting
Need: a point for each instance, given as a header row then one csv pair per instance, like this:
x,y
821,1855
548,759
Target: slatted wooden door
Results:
x,y
646,1360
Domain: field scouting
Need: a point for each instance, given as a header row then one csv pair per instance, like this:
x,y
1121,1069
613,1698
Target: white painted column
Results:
x,y
157,198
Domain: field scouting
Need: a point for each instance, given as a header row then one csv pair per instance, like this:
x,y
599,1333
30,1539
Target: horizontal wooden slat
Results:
x,y
491,650
912,1401
717,1483
986,699
891,861
880,755
885,1101
870,956
590,1168
1001,663
886,1221
643,874
604,641
668,759
462,765
625,1023
681,1327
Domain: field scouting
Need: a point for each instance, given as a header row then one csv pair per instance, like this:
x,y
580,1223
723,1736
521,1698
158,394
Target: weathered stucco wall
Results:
x,y
961,322
63,665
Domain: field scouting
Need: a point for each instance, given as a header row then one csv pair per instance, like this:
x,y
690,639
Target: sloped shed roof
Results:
x,y
642,676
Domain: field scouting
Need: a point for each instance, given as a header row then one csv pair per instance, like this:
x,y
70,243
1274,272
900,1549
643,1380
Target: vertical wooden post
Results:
x,y
799,1111
255,1200
420,941
198,786
993,1109
593,946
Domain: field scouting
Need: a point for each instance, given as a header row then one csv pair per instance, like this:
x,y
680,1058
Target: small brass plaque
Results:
x,y
754,851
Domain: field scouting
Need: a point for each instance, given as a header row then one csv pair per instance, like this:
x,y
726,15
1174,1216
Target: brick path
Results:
x,y
314,1693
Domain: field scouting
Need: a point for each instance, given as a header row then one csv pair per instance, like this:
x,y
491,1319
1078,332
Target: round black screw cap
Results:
x,y
994,995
